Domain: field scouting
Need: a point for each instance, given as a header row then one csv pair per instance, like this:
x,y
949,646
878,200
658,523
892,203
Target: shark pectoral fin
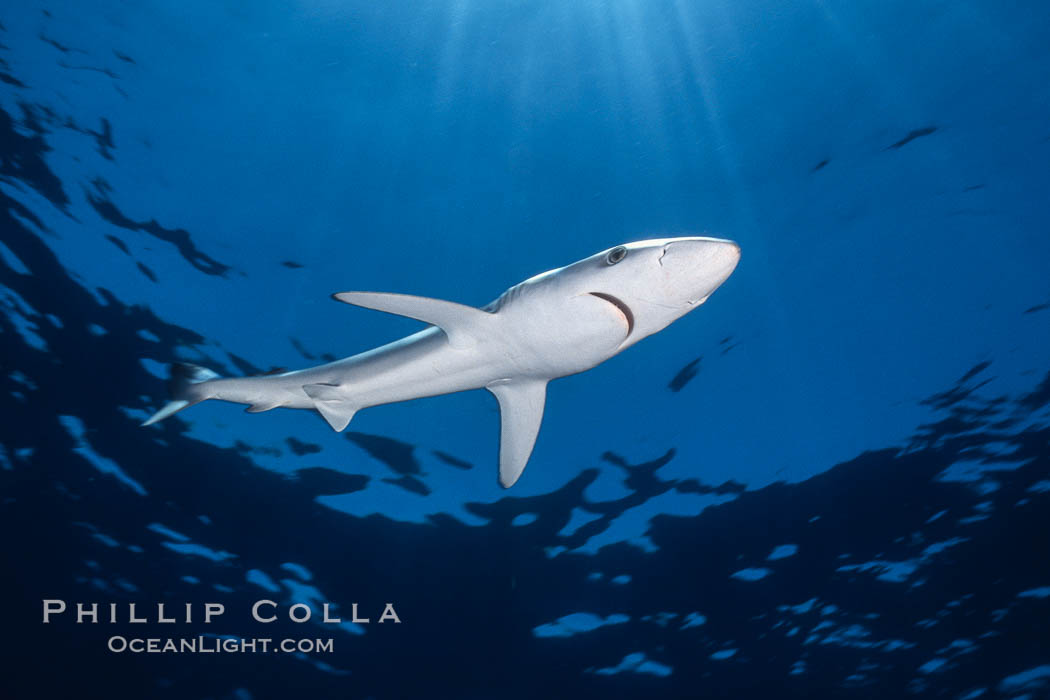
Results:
x,y
331,403
460,323
521,404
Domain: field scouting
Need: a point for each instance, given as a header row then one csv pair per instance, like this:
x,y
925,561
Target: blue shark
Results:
x,y
556,324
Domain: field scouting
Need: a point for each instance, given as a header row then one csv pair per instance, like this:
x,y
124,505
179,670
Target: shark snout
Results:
x,y
699,265
711,255
728,255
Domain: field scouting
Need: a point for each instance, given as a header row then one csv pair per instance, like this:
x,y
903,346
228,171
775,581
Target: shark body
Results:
x,y
555,324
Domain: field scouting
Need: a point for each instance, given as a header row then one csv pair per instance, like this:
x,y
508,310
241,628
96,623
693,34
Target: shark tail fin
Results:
x,y
183,385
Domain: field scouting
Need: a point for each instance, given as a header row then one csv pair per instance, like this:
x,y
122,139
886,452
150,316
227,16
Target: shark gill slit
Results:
x,y
623,308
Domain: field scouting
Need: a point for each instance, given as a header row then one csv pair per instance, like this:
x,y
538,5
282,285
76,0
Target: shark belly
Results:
x,y
417,366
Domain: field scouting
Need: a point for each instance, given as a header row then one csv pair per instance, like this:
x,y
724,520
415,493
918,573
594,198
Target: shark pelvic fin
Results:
x,y
459,322
331,403
521,404
263,406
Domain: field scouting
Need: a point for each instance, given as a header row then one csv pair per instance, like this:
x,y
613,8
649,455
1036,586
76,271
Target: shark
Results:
x,y
555,324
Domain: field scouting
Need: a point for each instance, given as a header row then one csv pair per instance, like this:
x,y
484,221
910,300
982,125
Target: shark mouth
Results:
x,y
620,306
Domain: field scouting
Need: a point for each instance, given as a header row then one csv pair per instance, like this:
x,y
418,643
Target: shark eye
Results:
x,y
615,255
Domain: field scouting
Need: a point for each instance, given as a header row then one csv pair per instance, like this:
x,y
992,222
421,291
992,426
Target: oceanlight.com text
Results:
x,y
207,644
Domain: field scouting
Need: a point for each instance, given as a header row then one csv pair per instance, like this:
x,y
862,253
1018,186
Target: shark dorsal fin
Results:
x,y
459,322
521,404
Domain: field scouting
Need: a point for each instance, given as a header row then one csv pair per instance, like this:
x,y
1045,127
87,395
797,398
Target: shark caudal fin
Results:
x,y
182,385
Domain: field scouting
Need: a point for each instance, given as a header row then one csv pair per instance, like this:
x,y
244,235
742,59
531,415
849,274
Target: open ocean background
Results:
x,y
832,480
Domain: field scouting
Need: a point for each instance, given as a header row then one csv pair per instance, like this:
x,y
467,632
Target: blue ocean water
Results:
x,y
830,480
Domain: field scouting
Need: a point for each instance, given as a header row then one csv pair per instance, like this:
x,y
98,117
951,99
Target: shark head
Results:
x,y
653,282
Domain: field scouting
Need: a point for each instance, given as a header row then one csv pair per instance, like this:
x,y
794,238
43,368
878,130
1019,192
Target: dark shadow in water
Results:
x,y
911,136
104,139
302,448
119,243
684,376
410,484
321,481
22,157
399,456
180,238
301,349
452,461
148,273
246,368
